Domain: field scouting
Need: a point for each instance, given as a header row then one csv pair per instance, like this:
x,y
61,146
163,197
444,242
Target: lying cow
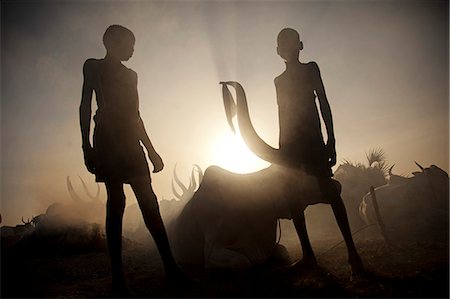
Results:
x,y
411,207
18,231
230,222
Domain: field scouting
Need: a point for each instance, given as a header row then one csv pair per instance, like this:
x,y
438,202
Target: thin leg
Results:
x,y
150,210
332,192
115,208
300,226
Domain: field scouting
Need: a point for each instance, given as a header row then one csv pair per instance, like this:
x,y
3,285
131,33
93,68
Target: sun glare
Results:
x,y
231,153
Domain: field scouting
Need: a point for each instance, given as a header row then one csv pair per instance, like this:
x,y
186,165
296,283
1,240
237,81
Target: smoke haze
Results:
x,y
384,66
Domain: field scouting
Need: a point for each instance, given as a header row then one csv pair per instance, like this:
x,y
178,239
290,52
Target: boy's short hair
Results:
x,y
288,37
115,35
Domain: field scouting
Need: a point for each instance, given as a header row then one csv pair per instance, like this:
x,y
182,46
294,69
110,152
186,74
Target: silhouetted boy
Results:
x,y
117,157
301,141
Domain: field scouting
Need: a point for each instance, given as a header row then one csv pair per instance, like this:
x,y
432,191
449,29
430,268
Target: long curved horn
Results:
x,y
248,132
230,106
179,183
390,170
421,168
193,184
200,173
97,195
72,192
177,195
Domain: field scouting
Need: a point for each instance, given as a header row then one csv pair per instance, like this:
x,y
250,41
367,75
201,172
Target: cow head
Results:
x,y
395,179
437,181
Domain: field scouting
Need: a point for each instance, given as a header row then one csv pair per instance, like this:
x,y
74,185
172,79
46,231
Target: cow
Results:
x,y
80,211
231,220
18,231
414,207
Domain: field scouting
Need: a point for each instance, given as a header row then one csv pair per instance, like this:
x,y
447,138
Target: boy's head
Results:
x,y
119,42
289,44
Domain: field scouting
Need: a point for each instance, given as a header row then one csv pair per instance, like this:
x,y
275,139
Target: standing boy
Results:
x,y
116,156
301,141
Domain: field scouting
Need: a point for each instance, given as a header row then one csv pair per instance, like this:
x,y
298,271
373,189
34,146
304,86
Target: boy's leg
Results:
x,y
115,208
331,191
150,210
300,225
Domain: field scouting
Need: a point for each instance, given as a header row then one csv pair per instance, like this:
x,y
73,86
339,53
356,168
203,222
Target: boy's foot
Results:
x,y
119,287
122,291
177,278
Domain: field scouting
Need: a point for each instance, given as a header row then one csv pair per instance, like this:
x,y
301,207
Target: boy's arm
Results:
x,y
85,115
155,158
325,110
152,154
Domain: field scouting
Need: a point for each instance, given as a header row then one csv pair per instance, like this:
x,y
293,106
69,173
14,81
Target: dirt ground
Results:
x,y
408,269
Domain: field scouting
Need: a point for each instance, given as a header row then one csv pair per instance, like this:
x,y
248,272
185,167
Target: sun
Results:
x,y
231,152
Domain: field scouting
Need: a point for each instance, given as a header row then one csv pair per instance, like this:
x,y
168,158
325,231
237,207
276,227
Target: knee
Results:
x,y
152,216
116,203
337,186
330,188
147,199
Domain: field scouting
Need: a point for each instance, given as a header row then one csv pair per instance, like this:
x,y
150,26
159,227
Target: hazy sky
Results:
x,y
384,65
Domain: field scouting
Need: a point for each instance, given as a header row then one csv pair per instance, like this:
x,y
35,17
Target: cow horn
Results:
x,y
200,173
390,170
421,168
230,106
72,192
179,183
248,132
28,221
193,183
97,195
177,195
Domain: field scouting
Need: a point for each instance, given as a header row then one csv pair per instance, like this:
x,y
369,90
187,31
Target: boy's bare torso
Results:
x,y
298,114
116,91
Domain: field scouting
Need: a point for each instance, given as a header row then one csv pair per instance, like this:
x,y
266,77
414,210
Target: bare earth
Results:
x,y
408,269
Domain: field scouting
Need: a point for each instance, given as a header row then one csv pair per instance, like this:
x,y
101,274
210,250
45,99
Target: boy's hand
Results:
x,y
331,153
89,159
158,164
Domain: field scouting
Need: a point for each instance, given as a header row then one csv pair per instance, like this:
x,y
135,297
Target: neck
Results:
x,y
292,63
112,59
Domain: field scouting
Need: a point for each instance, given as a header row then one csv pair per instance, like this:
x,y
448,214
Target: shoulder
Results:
x,y
279,78
132,74
312,66
313,70
90,65
90,62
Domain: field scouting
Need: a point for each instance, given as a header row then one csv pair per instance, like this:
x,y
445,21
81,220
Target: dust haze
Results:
x,y
385,68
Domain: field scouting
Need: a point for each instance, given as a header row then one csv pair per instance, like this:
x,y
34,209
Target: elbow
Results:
x,y
85,104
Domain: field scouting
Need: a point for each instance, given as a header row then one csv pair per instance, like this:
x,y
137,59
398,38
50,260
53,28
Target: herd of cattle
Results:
x,y
414,207
228,220
225,227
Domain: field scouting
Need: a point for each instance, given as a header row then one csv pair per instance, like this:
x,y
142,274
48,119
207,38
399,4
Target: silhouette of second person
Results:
x,y
301,140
